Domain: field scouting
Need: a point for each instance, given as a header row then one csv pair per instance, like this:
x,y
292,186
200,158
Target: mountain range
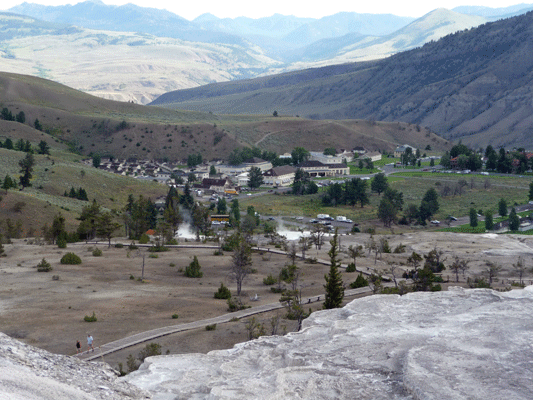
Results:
x,y
130,53
473,85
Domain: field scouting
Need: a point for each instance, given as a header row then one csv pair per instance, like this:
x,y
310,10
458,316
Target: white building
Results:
x,y
279,176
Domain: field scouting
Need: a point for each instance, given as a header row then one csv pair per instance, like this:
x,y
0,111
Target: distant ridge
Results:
x,y
473,85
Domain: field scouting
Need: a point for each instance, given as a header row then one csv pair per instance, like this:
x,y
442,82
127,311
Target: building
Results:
x,y
214,185
259,163
279,176
316,168
398,152
325,159
373,155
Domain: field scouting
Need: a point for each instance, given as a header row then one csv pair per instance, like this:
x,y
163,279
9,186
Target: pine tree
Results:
x,y
334,285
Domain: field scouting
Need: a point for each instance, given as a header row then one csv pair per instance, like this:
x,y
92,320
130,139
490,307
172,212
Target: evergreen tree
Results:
x,y
489,220
222,207
26,169
255,178
193,270
96,160
334,285
43,148
37,125
473,217
379,183
8,144
531,190
502,207
235,210
514,221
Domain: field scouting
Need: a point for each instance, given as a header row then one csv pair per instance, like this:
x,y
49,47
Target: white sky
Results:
x,y
309,8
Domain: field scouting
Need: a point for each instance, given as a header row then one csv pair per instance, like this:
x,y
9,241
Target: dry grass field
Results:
x,y
50,313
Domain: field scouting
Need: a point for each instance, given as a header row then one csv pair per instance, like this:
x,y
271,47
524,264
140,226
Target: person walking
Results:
x,y
89,343
78,347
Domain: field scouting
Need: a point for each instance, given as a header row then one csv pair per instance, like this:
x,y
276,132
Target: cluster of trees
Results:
x,y
466,158
410,158
8,115
298,155
501,161
420,214
139,215
348,193
194,159
25,146
507,162
94,221
303,183
237,156
80,194
9,183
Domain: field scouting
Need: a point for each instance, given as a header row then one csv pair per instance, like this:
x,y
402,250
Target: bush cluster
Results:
x,y
70,258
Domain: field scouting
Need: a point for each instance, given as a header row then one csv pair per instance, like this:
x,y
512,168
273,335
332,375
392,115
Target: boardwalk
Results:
x,y
146,336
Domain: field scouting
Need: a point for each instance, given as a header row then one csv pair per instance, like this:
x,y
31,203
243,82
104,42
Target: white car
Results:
x,y
435,222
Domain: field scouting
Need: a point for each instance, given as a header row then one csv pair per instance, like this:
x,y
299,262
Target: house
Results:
x,y
359,150
279,176
215,185
373,155
398,152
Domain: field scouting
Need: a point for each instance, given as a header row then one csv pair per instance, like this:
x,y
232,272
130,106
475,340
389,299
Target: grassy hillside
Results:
x,y
89,124
52,176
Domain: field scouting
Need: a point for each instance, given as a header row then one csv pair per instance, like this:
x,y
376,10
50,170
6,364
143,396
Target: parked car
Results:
x,y
435,222
314,221
452,218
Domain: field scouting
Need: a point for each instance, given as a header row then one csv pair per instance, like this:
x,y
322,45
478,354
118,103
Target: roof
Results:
x,y
213,182
311,164
339,165
281,170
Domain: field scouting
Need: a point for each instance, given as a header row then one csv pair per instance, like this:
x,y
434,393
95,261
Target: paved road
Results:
x,y
146,336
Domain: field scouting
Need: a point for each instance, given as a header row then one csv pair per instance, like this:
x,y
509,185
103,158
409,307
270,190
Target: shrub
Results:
x,y
144,239
193,270
70,258
218,253
355,229
175,316
97,252
350,267
44,266
132,277
270,280
151,349
276,290
119,245
236,305
223,292
62,243
91,318
399,249
132,246
153,255
211,327
359,282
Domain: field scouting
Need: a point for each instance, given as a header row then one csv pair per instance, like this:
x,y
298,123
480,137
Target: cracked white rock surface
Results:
x,y
30,373
459,344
